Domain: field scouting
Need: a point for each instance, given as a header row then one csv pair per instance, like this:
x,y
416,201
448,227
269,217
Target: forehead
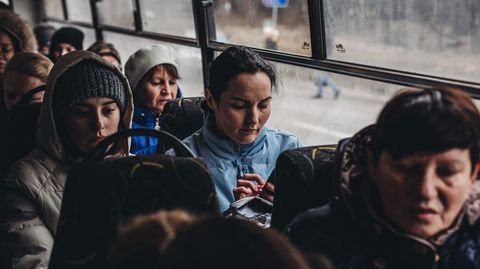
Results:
x,y
249,86
5,39
65,46
161,71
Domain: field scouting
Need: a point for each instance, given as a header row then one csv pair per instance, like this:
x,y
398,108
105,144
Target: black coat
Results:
x,y
350,232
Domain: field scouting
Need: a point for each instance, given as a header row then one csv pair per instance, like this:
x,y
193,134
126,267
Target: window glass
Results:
x,y
436,37
89,33
53,8
118,13
79,10
332,117
258,24
169,17
28,11
188,59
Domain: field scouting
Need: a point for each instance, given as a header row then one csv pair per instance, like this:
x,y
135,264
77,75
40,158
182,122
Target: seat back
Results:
x,y
102,195
19,137
182,117
303,180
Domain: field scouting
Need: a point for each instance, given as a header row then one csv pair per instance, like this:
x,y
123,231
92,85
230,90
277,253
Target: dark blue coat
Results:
x,y
144,118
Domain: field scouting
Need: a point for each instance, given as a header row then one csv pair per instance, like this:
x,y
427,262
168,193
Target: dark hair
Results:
x,y
234,61
170,68
105,49
427,120
230,243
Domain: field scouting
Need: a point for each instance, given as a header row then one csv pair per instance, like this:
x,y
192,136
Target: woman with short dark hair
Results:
x,y
408,195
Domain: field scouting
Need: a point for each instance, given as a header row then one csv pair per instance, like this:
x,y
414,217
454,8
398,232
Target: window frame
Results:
x,y
205,36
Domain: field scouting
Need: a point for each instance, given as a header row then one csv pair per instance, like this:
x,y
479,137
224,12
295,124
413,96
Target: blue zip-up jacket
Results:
x,y
145,118
229,161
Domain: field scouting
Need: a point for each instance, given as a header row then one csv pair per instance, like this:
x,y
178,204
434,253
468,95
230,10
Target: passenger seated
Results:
x,y
179,240
153,74
408,196
65,40
234,142
86,99
24,72
108,52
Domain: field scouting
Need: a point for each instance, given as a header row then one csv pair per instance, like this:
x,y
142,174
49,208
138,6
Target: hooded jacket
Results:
x,y
19,29
352,231
32,189
229,161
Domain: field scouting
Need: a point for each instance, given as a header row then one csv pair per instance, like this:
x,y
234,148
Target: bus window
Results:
x,y
53,9
325,120
168,17
438,38
188,59
79,10
117,13
257,24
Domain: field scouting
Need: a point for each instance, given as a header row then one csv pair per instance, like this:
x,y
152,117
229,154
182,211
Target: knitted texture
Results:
x,y
87,79
68,35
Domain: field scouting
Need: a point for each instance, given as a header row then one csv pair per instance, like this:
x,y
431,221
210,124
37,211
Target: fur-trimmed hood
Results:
x,y
18,28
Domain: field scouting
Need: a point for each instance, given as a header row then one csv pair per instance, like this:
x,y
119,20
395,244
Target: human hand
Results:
x,y
249,185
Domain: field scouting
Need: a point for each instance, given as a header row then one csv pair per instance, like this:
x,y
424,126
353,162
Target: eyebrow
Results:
x,y
234,98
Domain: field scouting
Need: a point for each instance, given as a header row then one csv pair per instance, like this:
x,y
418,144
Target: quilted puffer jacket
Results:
x,y
31,191
351,231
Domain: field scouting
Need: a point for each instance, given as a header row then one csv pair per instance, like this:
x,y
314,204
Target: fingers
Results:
x,y
255,178
248,184
241,192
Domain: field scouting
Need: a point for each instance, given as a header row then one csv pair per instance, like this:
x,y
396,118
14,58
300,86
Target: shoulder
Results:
x,y
35,172
195,141
284,139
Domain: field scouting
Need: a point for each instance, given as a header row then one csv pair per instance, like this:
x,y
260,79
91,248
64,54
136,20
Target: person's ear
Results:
x,y
210,100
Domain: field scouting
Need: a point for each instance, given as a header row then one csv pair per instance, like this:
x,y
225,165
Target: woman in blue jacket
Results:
x,y
234,142
153,74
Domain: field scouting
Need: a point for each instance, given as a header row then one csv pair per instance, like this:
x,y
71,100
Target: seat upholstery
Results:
x,y
100,196
303,180
182,117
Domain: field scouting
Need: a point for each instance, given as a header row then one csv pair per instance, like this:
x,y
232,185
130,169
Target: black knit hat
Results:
x,y
68,35
87,79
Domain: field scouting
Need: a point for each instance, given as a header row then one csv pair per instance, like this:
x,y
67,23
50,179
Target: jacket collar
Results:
x,y
227,148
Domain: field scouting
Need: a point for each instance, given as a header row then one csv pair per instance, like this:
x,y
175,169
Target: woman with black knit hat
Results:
x,y
86,99
65,40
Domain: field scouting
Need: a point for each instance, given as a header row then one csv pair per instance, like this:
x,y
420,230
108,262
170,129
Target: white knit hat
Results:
x,y
146,58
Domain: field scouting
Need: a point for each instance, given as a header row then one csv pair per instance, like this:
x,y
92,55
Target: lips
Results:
x,y
423,213
248,131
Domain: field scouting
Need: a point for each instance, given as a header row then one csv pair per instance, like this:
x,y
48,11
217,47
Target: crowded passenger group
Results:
x,y
405,188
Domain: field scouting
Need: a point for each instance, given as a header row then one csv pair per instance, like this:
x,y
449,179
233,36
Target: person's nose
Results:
x,y
427,185
252,116
99,125
166,89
